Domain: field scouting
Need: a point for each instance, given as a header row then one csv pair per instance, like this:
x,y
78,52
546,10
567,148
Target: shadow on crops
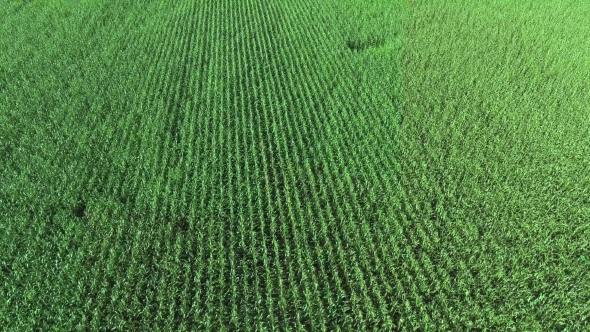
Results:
x,y
80,209
360,44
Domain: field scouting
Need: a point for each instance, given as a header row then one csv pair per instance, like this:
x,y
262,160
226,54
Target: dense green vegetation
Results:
x,y
294,165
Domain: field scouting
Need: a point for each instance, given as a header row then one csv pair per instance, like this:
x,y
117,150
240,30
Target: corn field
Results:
x,y
305,165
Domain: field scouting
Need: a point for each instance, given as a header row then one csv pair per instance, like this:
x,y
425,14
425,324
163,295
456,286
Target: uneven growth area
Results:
x,y
306,165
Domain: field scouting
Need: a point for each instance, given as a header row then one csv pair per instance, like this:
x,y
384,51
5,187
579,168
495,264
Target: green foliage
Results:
x,y
493,110
294,165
